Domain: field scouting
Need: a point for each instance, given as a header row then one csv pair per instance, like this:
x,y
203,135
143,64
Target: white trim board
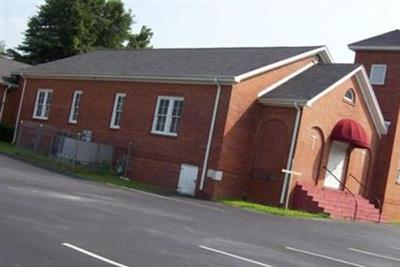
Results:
x,y
285,79
322,51
374,48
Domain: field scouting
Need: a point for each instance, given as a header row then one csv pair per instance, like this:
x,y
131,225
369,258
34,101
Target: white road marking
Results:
x,y
324,257
94,255
374,254
235,256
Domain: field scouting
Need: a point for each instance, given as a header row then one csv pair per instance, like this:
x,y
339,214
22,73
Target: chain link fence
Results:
x,y
72,149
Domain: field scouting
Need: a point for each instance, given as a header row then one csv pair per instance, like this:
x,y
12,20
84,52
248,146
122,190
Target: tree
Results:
x,y
63,28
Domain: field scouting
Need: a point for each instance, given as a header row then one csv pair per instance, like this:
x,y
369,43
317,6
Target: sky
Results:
x,y
233,23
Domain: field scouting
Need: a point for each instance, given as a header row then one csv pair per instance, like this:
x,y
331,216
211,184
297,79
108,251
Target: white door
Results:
x,y
187,179
336,164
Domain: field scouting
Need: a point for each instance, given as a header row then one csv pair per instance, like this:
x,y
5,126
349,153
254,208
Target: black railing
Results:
x,y
378,202
348,190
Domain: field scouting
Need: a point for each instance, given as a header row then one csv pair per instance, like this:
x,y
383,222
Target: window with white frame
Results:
x,y
76,101
167,115
42,104
117,110
378,74
349,96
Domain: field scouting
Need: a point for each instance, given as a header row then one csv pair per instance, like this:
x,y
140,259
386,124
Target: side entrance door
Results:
x,y
187,179
336,164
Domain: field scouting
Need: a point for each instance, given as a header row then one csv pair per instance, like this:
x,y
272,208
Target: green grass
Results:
x,y
105,175
272,210
396,223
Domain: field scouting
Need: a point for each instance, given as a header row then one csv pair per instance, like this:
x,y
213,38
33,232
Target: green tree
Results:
x,y
63,28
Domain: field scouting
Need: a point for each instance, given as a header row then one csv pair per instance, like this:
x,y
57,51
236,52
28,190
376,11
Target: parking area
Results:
x,y
48,219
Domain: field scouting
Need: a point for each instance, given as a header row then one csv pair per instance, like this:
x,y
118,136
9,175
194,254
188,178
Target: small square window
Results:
x,y
378,74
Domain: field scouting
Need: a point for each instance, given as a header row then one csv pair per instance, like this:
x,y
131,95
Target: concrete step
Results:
x,y
337,204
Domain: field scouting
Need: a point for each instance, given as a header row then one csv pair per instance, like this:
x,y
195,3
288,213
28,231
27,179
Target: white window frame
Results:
x,y
351,100
46,104
168,121
114,112
372,75
75,107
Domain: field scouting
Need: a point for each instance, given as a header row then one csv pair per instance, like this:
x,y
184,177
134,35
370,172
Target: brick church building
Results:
x,y
277,125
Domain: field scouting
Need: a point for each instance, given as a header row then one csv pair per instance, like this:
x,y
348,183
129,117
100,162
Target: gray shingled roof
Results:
x,y
309,83
387,40
7,66
194,62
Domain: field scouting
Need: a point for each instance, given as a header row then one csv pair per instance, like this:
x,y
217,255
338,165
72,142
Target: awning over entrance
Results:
x,y
352,132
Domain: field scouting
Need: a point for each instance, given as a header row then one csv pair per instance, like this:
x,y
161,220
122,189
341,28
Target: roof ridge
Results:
x,y
204,48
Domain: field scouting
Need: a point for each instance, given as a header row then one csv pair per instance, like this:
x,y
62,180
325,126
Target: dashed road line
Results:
x,y
324,257
235,256
91,254
374,254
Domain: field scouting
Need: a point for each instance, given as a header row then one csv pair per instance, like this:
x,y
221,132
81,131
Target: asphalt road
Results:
x,y
47,219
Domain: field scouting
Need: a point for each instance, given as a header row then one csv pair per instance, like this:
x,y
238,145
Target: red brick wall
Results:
x,y
388,96
316,126
156,158
236,154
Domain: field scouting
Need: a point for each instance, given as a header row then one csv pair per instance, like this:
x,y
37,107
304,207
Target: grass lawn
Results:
x,y
272,210
103,176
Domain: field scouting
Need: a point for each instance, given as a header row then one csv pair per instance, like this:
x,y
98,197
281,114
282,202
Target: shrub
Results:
x,y
6,132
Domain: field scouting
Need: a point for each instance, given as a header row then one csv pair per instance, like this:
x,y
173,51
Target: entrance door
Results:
x,y
187,179
336,164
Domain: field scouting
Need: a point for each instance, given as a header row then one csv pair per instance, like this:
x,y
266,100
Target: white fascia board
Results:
x,y
371,101
225,80
374,48
284,80
322,51
283,102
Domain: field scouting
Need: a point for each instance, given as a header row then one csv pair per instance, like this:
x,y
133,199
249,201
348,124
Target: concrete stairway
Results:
x,y
336,203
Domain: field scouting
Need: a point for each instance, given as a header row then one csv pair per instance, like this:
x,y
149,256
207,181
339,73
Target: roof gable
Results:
x,y
386,41
230,64
307,87
8,66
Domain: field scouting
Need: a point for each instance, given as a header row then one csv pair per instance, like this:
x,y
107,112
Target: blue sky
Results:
x,y
206,23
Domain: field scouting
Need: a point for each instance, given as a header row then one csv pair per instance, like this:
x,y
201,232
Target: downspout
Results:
x,y
3,101
286,182
210,134
19,110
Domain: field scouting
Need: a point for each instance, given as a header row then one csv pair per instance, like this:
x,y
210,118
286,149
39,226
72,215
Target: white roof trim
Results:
x,y
322,51
371,101
374,48
154,79
283,102
285,79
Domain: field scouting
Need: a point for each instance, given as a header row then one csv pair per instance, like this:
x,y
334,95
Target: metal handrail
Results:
x,y
345,187
373,194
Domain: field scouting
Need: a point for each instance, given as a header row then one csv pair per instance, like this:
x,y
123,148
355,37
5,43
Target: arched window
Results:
x,y
350,96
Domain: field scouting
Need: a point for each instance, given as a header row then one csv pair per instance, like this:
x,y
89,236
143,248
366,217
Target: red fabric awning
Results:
x,y
352,132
